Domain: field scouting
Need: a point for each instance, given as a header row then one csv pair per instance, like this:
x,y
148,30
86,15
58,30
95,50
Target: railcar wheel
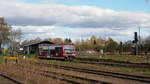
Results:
x,y
66,58
71,58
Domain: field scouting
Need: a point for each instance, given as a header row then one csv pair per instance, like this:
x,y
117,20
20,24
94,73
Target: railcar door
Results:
x,y
44,51
58,51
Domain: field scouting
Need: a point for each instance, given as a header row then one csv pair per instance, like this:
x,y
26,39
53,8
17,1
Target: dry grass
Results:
x,y
5,81
132,71
14,71
130,58
80,74
85,75
20,73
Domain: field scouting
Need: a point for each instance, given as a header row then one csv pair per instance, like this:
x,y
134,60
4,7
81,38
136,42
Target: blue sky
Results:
x,y
128,5
118,19
120,5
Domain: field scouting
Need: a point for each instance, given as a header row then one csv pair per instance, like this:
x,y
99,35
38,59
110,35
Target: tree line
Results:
x,y
97,44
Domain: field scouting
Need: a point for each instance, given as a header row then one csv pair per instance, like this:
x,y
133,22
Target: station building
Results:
x,y
33,48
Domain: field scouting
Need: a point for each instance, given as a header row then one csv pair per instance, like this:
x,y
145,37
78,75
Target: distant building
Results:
x,y
33,48
1,20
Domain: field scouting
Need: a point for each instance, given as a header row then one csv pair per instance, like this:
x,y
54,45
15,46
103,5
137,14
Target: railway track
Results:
x,y
56,77
117,64
65,77
10,79
100,72
110,62
91,81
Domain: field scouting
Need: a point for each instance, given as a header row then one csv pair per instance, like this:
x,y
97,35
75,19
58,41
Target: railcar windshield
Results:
x,y
68,48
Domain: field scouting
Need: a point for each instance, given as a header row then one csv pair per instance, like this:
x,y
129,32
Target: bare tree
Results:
x,y
147,44
4,33
15,39
7,35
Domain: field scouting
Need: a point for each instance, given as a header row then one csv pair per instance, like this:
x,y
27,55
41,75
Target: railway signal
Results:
x,y
135,41
121,47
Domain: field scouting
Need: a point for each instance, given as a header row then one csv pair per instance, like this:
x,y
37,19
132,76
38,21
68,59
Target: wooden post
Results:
x,y
28,49
0,48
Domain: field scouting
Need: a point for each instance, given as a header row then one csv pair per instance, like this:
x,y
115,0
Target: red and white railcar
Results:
x,y
57,51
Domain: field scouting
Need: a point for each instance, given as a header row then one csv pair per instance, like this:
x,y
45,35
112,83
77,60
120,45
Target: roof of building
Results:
x,y
42,42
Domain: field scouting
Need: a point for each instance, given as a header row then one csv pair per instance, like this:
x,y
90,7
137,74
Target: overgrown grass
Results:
x,y
13,70
20,56
135,71
2,61
132,71
21,74
28,56
130,58
138,71
1,58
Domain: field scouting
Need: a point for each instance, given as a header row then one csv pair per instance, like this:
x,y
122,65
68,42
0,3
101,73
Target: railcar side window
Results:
x,y
58,49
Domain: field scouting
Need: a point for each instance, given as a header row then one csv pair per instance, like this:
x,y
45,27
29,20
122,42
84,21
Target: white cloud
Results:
x,y
119,35
31,32
34,29
79,31
79,20
21,13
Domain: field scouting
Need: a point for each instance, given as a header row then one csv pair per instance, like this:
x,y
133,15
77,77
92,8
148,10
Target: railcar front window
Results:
x,y
68,48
